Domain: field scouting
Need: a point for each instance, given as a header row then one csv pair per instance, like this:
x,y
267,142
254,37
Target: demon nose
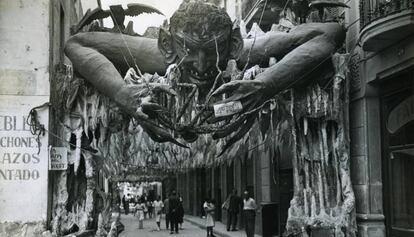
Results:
x,y
201,63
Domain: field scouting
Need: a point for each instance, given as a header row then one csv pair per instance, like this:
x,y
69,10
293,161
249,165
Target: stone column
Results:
x,y
366,165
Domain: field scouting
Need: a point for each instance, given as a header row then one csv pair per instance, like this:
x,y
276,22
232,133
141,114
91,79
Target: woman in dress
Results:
x,y
140,213
209,209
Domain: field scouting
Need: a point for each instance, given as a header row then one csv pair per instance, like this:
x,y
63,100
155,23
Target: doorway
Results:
x,y
398,154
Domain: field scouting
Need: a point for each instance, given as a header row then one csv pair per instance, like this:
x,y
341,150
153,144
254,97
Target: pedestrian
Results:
x,y
139,207
145,209
136,199
249,212
158,205
180,212
233,208
209,208
118,202
174,204
203,213
150,208
125,203
144,202
167,212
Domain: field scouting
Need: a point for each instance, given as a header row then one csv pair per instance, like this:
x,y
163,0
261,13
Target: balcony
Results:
x,y
385,22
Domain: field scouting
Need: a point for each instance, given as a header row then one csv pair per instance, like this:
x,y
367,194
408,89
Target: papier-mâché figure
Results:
x,y
200,41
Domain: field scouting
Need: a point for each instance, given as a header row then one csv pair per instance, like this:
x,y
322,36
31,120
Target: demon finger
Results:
x,y
239,135
227,130
157,87
226,88
159,134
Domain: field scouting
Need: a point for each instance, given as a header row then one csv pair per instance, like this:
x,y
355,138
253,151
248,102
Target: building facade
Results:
x,y
381,45
270,184
32,39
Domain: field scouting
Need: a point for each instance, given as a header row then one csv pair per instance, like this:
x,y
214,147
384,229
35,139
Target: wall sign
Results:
x,y
58,159
402,114
23,160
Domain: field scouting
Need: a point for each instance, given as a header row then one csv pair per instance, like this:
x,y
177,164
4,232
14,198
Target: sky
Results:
x,y
144,20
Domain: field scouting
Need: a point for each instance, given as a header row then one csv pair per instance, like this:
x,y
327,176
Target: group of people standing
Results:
x,y
172,207
233,205
147,204
152,208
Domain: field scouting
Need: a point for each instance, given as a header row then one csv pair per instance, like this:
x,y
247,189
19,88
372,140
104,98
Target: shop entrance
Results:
x,y
398,154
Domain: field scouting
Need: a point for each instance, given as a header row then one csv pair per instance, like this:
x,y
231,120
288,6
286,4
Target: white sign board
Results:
x,y
23,161
58,158
226,109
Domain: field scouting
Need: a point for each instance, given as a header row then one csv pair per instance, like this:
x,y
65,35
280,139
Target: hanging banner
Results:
x,y
58,158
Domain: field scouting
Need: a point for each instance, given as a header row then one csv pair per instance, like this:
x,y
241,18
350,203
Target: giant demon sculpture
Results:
x,y
199,43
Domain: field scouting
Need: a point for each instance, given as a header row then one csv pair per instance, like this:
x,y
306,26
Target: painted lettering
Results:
x,y
35,158
19,158
16,157
6,158
19,174
18,142
13,123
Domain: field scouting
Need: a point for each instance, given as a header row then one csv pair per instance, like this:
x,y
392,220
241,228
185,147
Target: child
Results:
x,y
209,209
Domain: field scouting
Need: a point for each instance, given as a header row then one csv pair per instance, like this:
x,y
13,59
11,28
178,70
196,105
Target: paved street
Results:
x,y
131,229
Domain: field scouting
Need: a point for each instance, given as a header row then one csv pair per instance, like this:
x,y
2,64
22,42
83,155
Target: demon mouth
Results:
x,y
202,77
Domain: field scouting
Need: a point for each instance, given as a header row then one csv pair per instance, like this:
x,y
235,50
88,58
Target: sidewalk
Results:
x,y
219,229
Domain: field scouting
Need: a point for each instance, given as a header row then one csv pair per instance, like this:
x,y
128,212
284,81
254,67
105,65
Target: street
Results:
x,y
259,118
131,228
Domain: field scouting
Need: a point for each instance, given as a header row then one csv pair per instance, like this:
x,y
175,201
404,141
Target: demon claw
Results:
x,y
159,134
243,130
157,87
230,86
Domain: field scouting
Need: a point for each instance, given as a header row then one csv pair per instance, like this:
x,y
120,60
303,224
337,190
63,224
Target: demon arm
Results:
x,y
97,57
300,52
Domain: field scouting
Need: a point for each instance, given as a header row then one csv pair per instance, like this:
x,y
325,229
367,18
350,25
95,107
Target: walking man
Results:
x,y
233,211
125,203
158,205
249,212
167,213
174,204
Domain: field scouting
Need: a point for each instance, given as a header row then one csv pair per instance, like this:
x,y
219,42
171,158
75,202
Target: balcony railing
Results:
x,y
371,10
